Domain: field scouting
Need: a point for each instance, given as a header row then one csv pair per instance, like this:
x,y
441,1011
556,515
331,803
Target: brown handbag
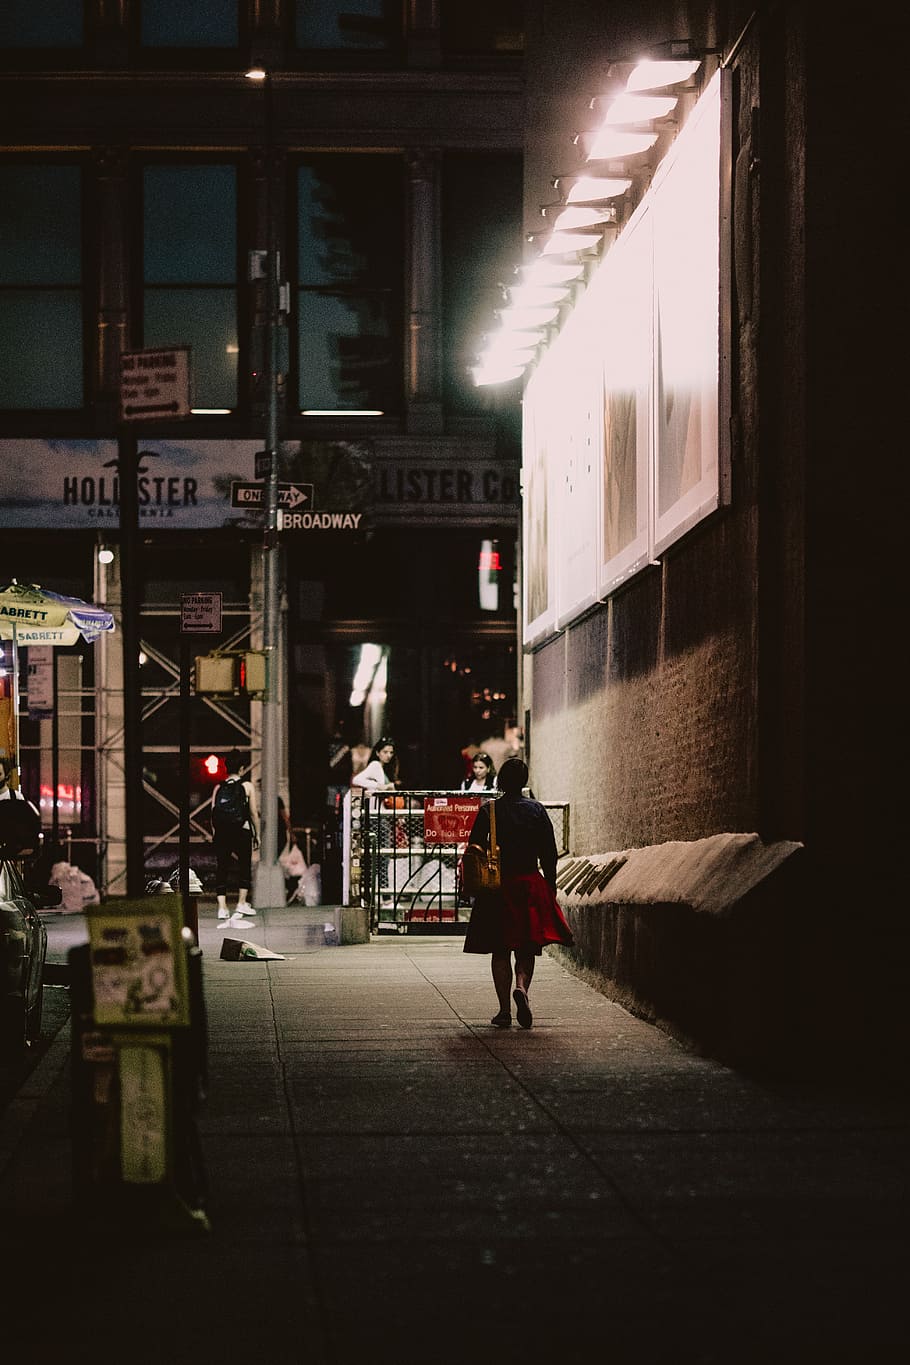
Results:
x,y
480,870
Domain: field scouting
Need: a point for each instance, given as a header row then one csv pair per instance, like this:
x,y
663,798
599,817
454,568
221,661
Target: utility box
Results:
x,y
139,1067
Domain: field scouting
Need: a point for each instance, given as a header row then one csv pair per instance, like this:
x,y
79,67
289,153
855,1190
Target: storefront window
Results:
x,y
371,25
41,341
350,251
174,23
190,272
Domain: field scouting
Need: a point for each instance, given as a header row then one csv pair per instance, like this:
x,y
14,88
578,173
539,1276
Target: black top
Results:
x,y
524,833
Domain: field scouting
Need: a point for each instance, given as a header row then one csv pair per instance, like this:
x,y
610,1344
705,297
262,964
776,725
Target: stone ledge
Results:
x,y
709,875
710,940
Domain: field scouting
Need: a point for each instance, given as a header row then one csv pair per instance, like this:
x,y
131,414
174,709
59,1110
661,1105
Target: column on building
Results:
x,y
424,366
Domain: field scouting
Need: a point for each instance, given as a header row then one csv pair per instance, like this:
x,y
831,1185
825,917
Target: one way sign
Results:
x,y
291,496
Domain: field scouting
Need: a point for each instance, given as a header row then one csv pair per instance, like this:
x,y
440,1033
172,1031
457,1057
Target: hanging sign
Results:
x,y
155,384
200,613
448,819
40,681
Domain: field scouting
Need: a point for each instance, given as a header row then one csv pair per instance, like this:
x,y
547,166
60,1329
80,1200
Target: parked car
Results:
x,y
23,937
23,949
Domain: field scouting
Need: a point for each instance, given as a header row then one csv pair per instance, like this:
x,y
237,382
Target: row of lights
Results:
x,y
576,226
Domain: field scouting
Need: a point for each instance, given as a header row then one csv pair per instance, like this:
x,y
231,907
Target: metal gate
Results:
x,y
406,881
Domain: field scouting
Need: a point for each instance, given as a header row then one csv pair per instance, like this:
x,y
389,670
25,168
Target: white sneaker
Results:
x,y
237,920
244,909
224,914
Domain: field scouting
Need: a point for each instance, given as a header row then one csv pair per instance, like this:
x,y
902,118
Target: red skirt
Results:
x,y
522,915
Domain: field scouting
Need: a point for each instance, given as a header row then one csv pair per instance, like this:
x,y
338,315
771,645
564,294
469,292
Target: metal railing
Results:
x,y
404,880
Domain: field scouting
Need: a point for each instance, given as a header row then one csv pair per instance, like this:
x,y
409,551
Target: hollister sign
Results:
x,y
464,488
203,484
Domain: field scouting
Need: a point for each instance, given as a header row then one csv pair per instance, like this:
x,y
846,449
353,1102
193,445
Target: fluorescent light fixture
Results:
x,y
589,189
551,272
531,295
342,412
255,73
367,673
613,144
210,412
519,318
566,243
639,108
483,375
579,216
505,357
510,346
655,75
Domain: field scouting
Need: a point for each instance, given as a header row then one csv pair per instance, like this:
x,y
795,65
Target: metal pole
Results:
x,y
268,882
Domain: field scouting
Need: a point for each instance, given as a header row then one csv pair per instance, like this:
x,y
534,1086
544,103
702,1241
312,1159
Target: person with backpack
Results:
x,y
235,833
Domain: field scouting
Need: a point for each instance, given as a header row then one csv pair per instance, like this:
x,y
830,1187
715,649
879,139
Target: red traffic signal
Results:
x,y
214,768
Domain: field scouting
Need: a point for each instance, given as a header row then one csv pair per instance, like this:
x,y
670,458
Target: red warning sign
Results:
x,y
448,819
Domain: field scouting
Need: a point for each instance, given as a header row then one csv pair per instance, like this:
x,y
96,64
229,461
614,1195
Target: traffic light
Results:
x,y
234,673
208,771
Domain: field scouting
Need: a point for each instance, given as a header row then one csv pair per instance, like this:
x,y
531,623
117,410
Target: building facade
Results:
x,y
698,672
145,177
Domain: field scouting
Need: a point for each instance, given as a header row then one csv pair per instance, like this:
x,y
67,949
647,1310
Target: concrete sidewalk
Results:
x,y
393,1181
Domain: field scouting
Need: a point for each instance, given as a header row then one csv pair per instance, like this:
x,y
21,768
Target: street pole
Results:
x,y
268,880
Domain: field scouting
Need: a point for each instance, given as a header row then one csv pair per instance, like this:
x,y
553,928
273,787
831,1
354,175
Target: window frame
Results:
x,y
139,286
398,328
87,287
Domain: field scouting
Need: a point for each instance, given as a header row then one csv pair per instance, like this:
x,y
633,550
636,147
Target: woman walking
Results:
x,y
523,914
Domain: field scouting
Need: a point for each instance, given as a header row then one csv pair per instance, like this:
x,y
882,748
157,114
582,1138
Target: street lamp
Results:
x,y
268,880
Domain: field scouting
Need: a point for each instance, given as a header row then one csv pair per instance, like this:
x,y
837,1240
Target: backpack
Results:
x,y
231,808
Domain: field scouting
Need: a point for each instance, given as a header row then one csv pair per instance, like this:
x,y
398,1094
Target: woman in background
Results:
x,y
483,777
381,772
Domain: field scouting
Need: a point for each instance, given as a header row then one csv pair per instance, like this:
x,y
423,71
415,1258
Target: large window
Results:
x,y
481,238
190,272
41,328
179,23
350,251
52,23
364,25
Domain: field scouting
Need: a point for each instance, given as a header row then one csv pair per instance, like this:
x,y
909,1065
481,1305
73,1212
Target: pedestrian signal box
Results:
x,y
234,673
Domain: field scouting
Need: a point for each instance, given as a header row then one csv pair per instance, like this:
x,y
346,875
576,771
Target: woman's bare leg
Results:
x,y
502,980
524,970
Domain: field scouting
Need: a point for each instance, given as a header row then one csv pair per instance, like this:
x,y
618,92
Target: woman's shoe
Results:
x,y
523,1009
501,1020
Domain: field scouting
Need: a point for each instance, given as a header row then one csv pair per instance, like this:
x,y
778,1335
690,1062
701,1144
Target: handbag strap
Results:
x,y
494,847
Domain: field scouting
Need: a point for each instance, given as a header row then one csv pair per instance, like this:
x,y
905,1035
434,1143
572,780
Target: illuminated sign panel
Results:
x,y
621,448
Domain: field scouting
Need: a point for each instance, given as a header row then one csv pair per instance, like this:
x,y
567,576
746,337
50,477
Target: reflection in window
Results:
x,y
481,240
52,23
371,25
190,272
177,23
41,344
349,273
